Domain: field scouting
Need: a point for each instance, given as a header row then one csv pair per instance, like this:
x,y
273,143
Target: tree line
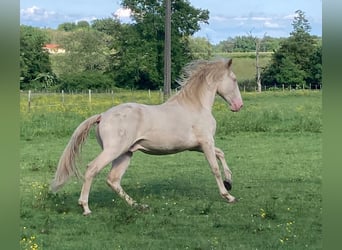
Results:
x,y
107,53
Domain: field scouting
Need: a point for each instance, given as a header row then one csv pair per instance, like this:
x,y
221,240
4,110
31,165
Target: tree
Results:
x,y
200,48
225,46
244,43
67,26
109,26
86,50
139,48
83,25
301,25
293,62
34,60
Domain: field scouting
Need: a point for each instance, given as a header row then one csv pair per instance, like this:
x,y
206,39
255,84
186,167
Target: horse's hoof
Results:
x,y
233,201
87,213
141,207
227,184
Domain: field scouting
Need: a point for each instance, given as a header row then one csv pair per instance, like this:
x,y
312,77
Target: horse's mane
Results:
x,y
196,78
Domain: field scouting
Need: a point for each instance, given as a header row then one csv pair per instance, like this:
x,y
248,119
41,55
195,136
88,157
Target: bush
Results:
x,y
86,80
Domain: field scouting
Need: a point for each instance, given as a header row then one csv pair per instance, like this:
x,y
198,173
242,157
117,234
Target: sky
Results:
x,y
227,18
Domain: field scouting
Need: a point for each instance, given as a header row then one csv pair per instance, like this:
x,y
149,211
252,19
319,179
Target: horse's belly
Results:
x,y
157,147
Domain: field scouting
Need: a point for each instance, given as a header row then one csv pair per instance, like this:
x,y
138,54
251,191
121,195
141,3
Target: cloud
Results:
x,y
40,17
240,18
123,13
270,25
35,13
261,18
290,17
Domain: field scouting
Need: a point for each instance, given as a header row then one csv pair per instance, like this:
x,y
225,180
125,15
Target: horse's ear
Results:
x,y
229,63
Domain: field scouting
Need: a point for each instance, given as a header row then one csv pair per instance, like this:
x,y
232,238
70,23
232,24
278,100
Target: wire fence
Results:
x,y
34,99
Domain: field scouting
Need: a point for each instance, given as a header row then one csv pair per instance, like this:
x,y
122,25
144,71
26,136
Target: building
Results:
x,y
53,48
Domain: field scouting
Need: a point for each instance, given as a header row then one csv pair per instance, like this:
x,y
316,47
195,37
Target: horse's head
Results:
x,y
228,89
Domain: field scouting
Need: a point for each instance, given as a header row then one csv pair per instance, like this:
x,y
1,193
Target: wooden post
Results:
x,y
167,50
161,95
89,95
62,97
112,92
29,100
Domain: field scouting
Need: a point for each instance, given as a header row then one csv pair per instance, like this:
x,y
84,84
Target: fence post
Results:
x,y
149,94
62,97
29,100
112,92
283,87
161,96
89,94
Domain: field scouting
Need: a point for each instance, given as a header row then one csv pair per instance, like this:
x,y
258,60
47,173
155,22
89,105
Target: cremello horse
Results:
x,y
183,122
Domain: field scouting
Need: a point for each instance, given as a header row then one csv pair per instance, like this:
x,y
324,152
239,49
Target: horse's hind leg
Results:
x,y
227,172
93,168
119,167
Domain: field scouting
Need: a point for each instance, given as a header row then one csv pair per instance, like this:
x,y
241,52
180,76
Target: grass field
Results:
x,y
273,147
244,64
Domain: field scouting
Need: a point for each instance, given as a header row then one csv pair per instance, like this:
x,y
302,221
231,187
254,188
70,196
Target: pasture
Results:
x,y
273,146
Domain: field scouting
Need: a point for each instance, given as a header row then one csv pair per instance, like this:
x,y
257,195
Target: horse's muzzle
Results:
x,y
235,106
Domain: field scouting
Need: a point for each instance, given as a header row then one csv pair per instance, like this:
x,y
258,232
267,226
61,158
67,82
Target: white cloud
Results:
x,y
261,18
268,24
88,19
219,18
240,18
123,13
35,13
290,17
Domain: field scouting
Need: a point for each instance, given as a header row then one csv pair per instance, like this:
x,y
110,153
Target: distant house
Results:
x,y
53,48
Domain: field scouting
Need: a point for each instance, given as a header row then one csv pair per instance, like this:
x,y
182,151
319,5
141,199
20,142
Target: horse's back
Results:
x,y
157,128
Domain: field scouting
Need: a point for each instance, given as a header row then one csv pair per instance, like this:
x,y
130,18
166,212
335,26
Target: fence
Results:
x,y
253,87
32,99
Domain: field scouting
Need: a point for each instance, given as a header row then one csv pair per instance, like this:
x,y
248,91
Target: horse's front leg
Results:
x,y
210,153
227,172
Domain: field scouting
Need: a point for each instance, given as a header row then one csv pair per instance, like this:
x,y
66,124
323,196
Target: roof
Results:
x,y
51,46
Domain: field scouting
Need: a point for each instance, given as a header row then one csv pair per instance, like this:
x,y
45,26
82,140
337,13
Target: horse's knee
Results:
x,y
114,184
91,172
219,153
216,172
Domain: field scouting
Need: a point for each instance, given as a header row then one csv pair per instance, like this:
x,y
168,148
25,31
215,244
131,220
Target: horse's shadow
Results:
x,y
152,192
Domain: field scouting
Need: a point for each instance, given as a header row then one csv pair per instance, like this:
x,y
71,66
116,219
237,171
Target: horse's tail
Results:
x,y
67,162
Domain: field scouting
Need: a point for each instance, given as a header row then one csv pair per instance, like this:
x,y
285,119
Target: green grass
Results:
x,y
244,64
273,147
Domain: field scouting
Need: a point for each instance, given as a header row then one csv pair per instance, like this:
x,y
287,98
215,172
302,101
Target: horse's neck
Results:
x,y
203,101
208,100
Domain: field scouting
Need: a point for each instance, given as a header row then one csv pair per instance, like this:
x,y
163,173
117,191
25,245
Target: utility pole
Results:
x,y
257,66
257,48
167,50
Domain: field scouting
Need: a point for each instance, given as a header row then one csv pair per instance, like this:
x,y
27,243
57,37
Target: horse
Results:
x,y
182,122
